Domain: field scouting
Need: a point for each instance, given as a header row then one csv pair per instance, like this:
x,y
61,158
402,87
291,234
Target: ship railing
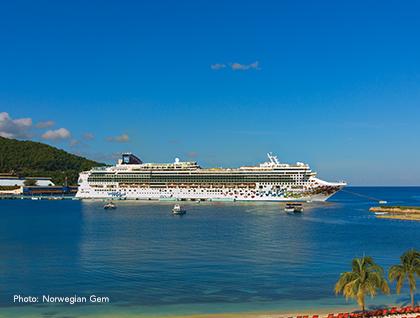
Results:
x,y
99,168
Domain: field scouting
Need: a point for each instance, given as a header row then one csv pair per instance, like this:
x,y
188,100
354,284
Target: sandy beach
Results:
x,y
320,313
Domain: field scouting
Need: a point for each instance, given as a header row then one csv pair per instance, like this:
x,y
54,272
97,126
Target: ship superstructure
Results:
x,y
132,179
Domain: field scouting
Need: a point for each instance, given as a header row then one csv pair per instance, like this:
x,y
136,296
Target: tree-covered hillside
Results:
x,y
35,159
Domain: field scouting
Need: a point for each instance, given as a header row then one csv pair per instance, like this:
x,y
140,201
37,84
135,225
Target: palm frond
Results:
x,y
365,278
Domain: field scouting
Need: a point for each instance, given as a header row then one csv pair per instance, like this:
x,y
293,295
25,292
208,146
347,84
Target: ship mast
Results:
x,y
273,159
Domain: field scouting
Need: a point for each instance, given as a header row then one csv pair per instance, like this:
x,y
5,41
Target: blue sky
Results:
x,y
332,83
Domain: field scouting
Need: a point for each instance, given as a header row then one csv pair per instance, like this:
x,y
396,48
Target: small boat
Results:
x,y
35,198
289,208
293,208
109,206
178,210
298,207
383,202
381,213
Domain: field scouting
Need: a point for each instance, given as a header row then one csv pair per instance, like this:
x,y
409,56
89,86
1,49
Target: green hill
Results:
x,y
35,159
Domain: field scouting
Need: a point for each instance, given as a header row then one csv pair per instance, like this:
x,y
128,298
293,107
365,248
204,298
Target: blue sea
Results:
x,y
218,258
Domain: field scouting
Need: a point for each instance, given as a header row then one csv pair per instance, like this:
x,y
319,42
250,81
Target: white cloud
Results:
x,y
120,138
61,133
237,66
88,136
245,67
14,128
217,66
74,142
45,124
192,154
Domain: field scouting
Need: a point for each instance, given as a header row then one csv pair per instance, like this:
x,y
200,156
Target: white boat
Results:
x,y
178,210
383,202
110,206
381,213
293,208
289,209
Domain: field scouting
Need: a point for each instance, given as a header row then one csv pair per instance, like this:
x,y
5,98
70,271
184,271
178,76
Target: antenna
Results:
x,y
273,159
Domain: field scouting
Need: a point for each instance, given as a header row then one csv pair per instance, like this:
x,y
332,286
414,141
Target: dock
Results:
x,y
37,197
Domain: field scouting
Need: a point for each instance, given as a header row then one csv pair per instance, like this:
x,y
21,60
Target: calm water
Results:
x,y
219,257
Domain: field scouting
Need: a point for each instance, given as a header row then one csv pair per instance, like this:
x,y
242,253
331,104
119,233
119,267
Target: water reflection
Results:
x,y
216,256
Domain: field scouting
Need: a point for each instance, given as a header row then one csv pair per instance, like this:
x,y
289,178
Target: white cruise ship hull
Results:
x,y
87,192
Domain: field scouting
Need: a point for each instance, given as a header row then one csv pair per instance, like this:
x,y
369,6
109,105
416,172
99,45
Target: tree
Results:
x,y
29,182
29,158
365,278
407,270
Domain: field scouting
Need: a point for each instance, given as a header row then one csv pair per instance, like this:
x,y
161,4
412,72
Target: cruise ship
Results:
x,y
272,180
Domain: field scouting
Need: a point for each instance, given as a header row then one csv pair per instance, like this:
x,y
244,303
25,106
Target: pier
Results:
x,y
37,197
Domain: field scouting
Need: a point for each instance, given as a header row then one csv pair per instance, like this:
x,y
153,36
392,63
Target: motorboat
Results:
x,y
293,208
110,206
178,210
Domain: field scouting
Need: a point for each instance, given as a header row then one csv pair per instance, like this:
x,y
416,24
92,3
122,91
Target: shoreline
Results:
x,y
114,311
410,217
405,213
322,313
270,314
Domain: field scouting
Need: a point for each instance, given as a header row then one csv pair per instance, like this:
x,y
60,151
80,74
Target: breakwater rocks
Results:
x,y
397,212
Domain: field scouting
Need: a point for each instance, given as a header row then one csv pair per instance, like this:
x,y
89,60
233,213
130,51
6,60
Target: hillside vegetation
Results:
x,y
35,159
